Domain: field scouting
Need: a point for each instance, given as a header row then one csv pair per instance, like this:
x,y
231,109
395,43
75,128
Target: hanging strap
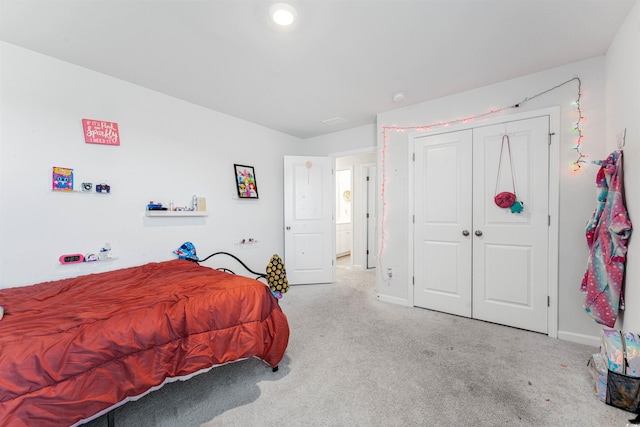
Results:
x,y
513,182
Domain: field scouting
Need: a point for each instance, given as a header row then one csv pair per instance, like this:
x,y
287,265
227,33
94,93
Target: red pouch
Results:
x,y
505,199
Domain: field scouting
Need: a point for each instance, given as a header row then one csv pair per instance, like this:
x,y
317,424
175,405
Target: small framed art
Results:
x,y
246,182
62,179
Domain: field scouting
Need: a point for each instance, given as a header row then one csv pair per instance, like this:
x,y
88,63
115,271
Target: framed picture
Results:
x,y
246,182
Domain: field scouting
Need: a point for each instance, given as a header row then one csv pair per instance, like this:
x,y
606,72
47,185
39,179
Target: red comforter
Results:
x,y
72,348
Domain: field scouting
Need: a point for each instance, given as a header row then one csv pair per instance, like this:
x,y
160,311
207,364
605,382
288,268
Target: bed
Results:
x,y
71,350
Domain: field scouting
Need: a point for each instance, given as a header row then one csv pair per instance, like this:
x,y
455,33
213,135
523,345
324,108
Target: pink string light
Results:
x,y
576,166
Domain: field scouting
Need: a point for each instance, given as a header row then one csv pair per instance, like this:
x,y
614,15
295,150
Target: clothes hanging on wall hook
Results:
x,y
607,234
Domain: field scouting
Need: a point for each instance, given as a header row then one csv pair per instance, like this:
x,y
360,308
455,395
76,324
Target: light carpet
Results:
x,y
355,361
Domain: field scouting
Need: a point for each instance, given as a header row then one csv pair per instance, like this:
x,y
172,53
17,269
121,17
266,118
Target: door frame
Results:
x,y
351,216
554,199
370,202
363,239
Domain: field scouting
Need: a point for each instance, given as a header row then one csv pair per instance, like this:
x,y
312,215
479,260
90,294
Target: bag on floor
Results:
x,y
623,392
599,375
621,350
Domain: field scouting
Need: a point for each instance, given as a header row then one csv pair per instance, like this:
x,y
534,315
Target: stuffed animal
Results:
x,y
187,251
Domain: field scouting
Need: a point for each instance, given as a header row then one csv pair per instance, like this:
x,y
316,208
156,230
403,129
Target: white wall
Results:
x,y
345,143
170,150
577,194
623,111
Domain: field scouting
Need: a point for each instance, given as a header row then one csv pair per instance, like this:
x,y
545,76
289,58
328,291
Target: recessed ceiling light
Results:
x,y
283,14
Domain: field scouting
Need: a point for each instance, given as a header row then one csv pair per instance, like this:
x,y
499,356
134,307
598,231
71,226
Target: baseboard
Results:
x,y
579,338
393,300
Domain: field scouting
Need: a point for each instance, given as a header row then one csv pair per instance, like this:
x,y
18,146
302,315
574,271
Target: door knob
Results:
x,y
465,232
288,228
478,233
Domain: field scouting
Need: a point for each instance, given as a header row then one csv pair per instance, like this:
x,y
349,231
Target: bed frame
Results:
x,y
255,273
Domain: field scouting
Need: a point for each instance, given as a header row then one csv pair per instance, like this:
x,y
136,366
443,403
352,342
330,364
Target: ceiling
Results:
x,y
341,61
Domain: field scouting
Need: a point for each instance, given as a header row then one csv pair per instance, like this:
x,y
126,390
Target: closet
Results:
x,y
471,257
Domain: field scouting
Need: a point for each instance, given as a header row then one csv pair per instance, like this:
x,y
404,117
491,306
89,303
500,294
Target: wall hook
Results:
x,y
622,136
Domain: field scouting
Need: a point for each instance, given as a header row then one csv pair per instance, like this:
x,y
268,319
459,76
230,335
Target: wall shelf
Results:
x,y
95,193
176,213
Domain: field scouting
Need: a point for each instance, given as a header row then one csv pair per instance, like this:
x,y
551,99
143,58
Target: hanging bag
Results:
x,y
507,199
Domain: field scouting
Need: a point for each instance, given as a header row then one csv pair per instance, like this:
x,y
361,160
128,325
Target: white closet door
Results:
x,y
443,220
510,258
472,258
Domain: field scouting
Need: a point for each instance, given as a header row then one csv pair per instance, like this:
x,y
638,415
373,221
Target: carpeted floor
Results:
x,y
355,361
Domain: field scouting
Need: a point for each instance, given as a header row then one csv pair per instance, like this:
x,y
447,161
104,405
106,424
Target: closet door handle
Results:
x,y
465,232
478,233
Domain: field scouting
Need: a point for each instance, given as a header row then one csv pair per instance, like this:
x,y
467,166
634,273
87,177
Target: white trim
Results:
x,y
412,225
554,199
364,186
579,338
554,227
394,300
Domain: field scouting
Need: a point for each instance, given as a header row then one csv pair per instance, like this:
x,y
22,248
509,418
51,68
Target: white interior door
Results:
x,y
443,220
372,250
309,235
510,258
472,258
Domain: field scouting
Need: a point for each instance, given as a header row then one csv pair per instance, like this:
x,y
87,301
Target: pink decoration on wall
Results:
x,y
99,132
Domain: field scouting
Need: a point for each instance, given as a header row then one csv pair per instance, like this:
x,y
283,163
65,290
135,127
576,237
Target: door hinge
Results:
x,y
414,219
367,251
549,220
413,280
367,215
367,179
548,301
414,157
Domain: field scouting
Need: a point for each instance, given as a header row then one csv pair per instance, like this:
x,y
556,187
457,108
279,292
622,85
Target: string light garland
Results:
x,y
576,166
577,127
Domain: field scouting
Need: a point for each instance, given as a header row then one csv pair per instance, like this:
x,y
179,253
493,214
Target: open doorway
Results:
x,y
355,211
344,213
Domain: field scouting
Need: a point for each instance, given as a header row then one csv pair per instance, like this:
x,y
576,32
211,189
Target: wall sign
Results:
x,y
99,132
